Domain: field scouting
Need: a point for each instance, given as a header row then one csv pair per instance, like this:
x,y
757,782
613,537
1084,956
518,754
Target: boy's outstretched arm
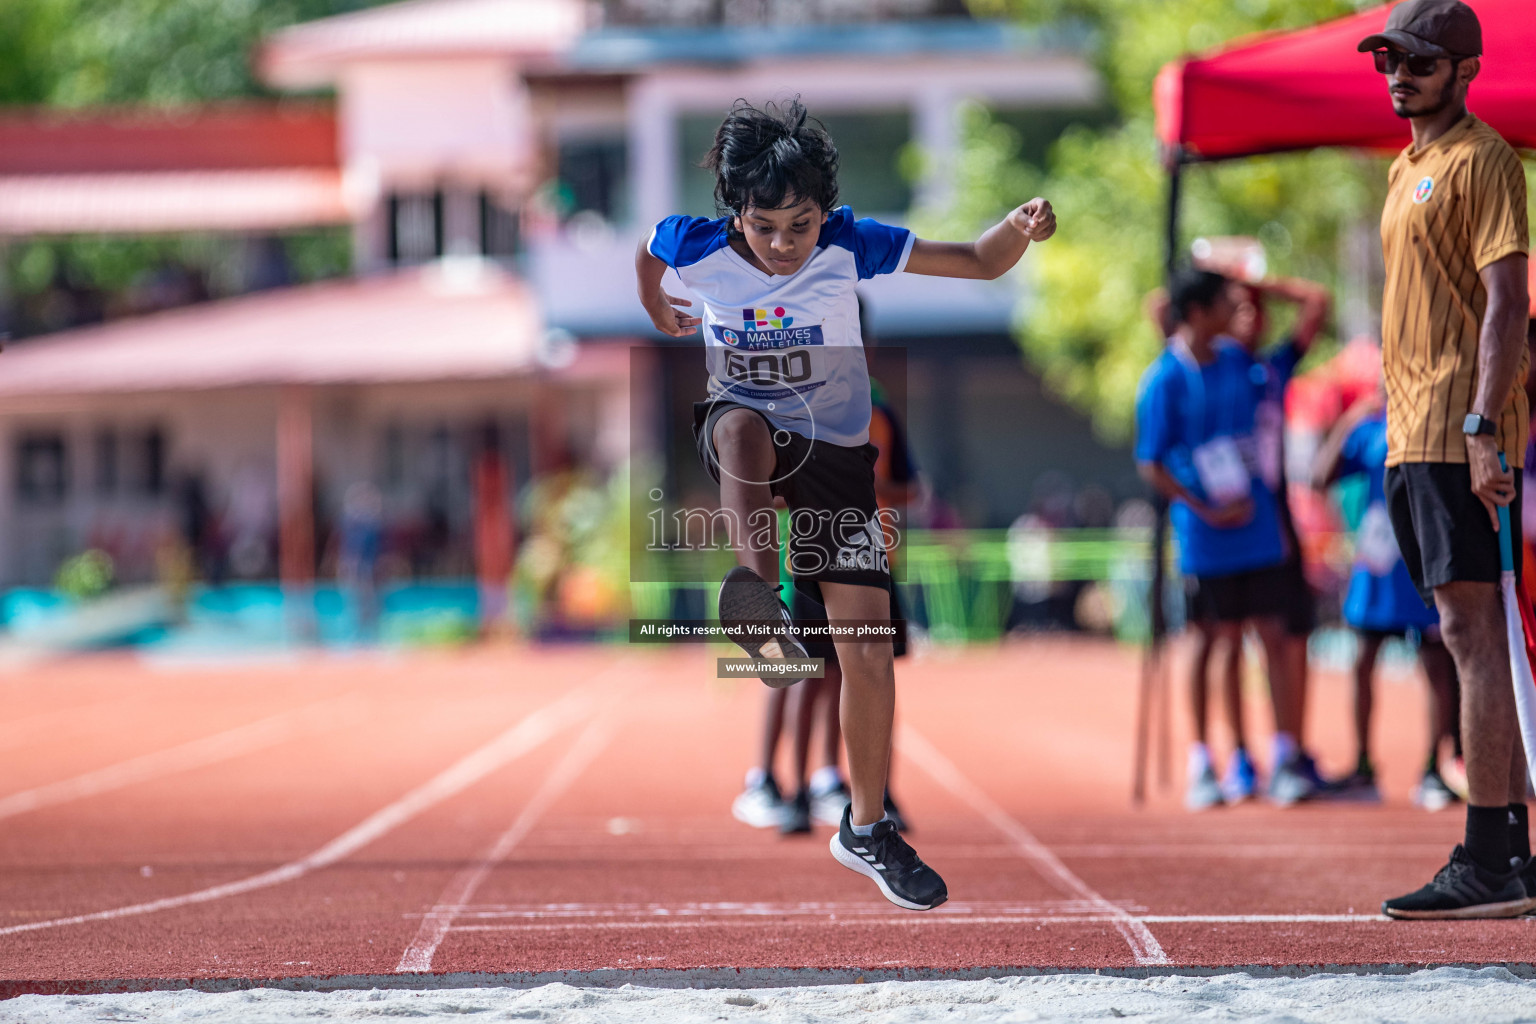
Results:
x,y
993,254
665,315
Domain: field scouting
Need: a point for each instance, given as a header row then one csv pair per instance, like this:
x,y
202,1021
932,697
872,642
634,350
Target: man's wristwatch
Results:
x,y
1475,424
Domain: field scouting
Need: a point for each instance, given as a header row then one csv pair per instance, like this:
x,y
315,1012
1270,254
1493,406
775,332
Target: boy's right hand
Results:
x,y
670,320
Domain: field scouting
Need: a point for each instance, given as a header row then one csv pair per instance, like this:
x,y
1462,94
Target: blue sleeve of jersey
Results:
x,y
1154,417
683,241
1353,456
879,248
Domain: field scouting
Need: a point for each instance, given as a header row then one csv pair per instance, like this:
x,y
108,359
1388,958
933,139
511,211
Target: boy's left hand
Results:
x,y
1035,220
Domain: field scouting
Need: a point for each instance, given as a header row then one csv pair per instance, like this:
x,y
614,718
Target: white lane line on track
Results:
x,y
533,730
567,911
435,925
198,753
930,920
1144,945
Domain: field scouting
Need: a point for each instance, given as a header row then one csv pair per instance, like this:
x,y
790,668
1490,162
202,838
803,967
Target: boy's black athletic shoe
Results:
x,y
797,814
896,868
1461,891
746,600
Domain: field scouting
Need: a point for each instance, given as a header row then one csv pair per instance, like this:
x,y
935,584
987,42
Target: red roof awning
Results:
x,y
243,137
449,321
1309,88
243,167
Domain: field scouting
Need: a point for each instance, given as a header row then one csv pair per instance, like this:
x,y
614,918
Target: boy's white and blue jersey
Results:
x,y
1381,594
787,346
1182,406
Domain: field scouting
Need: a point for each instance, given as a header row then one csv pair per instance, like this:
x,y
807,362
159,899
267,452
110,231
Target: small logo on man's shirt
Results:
x,y
1424,190
759,319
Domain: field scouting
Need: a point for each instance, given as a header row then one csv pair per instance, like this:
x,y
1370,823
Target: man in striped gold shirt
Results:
x,y
1455,236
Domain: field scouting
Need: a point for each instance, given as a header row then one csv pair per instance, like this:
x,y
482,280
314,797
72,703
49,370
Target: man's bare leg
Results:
x,y
1472,623
747,459
868,703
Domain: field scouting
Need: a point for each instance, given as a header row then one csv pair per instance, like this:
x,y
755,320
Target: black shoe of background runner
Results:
x,y
1528,880
745,599
797,814
1462,891
894,813
896,868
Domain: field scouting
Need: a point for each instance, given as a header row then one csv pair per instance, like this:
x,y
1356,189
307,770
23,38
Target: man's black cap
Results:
x,y
1434,28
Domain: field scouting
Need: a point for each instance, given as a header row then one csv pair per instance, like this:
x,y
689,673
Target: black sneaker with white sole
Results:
x,y
797,814
746,600
900,873
1462,891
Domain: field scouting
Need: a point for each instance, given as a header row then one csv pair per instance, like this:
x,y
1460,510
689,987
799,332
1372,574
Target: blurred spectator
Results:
x,y
360,542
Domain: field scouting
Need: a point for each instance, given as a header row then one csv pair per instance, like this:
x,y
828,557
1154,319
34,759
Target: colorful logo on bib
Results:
x,y
766,319
729,336
1424,190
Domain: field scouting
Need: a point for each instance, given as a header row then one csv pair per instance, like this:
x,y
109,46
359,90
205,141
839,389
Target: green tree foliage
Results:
x,y
1086,330
72,54
80,53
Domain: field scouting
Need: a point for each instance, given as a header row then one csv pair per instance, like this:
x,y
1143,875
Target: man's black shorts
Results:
x,y
835,531
1442,528
1255,594
804,609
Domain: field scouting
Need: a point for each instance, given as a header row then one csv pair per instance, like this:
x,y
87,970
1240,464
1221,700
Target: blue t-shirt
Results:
x,y
788,347
1381,593
1180,407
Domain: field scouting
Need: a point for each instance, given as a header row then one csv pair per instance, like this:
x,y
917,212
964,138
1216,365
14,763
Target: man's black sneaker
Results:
x,y
896,868
797,814
745,601
894,813
1461,891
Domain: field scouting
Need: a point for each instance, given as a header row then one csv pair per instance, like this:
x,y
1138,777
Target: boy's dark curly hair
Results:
x,y
769,157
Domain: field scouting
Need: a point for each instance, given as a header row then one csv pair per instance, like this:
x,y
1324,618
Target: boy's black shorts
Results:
x,y
1300,602
804,609
1254,594
1442,528
835,532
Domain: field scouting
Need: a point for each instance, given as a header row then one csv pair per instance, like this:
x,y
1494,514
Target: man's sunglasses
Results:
x,y
1419,65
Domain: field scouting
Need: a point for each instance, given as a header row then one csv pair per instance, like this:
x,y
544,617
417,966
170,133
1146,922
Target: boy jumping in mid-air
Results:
x,y
788,415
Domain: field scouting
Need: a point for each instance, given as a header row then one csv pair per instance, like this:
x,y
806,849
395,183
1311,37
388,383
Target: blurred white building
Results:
x,y
497,161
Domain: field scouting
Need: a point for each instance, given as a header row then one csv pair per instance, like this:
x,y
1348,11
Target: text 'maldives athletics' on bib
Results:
x,y
787,346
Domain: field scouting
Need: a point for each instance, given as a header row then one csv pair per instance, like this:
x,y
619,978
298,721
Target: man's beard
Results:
x,y
1446,98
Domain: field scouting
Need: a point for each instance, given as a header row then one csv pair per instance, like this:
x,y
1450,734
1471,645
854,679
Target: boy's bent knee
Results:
x,y
740,429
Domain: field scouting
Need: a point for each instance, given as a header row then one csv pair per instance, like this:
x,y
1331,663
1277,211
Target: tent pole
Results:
x,y
1175,180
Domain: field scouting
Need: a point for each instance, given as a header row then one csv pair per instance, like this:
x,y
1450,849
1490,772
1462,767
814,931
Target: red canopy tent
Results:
x,y
1307,88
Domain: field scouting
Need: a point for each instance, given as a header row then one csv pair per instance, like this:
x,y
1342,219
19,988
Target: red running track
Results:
x,y
534,810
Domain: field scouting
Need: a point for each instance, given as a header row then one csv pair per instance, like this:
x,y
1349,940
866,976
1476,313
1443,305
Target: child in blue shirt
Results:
x,y
788,416
1196,444
1382,602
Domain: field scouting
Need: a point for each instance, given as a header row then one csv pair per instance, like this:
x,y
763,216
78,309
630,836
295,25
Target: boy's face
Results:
x,y
782,239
